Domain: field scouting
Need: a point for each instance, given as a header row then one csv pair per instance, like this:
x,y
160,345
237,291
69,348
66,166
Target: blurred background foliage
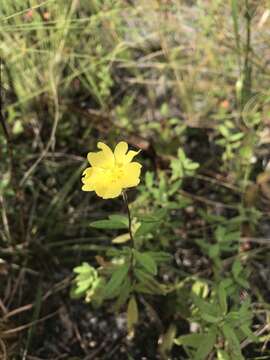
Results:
x,y
188,83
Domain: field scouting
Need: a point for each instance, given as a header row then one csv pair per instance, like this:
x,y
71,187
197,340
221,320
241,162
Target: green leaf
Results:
x,y
246,152
149,180
145,228
200,288
181,155
232,236
146,261
222,297
238,274
206,345
157,216
146,288
248,333
109,224
224,131
174,187
82,286
150,222
233,341
233,317
159,256
85,279
214,251
121,239
211,319
191,340
220,233
147,284
119,218
132,314
74,294
229,123
17,127
148,219
167,340
236,137
117,278
84,268
125,290
177,169
191,166
164,109
206,308
237,268
222,355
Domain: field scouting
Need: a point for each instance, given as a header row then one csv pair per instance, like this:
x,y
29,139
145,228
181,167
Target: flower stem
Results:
x,y
129,219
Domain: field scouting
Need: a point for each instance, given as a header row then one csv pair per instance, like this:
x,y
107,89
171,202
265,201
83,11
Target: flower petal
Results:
x,y
108,190
131,176
130,155
88,187
103,158
92,177
88,172
101,189
120,152
121,155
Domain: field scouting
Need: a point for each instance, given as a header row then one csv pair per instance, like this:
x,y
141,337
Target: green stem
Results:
x,y
129,219
131,264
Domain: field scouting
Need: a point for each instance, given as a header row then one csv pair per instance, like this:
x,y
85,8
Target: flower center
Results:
x,y
116,173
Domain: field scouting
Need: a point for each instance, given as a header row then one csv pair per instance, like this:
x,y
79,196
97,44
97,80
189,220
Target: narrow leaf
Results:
x,y
115,281
121,239
233,341
132,315
222,355
206,345
146,261
108,224
222,296
191,340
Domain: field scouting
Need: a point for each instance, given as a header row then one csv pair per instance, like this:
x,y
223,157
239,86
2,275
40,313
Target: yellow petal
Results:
x,y
103,158
130,155
120,152
92,177
100,190
113,191
108,190
131,176
88,187
121,155
88,172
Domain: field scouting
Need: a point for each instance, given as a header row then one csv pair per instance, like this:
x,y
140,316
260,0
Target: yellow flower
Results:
x,y
111,172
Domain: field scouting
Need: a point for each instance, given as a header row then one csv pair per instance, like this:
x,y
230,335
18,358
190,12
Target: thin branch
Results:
x,y
129,218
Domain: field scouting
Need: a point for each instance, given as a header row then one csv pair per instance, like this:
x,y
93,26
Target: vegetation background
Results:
x,y
188,83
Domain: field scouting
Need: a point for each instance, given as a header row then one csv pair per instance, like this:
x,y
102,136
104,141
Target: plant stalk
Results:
x,y
129,219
